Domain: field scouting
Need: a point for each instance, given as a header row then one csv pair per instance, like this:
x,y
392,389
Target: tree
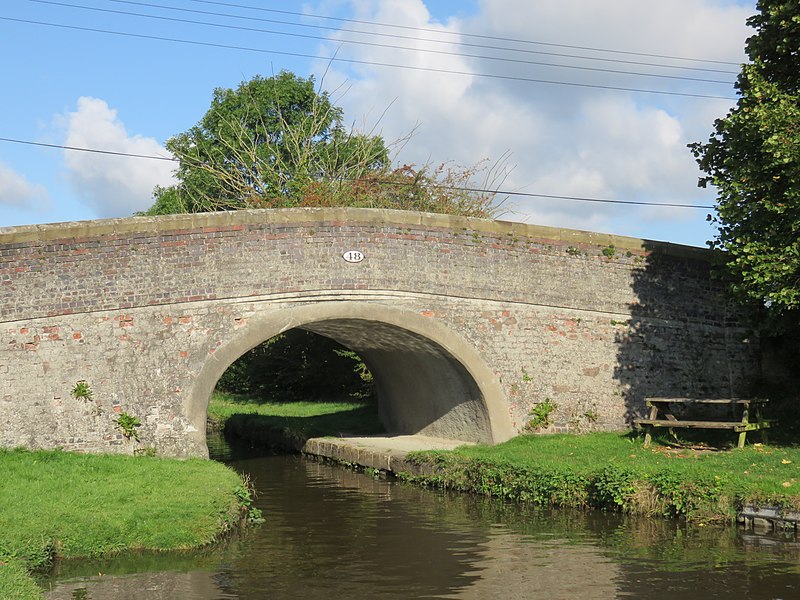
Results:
x,y
753,159
261,145
276,143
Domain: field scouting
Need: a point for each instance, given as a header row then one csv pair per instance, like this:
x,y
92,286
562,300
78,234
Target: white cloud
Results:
x,y
114,186
687,28
564,140
17,191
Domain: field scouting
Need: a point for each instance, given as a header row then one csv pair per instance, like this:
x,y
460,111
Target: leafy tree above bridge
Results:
x,y
277,142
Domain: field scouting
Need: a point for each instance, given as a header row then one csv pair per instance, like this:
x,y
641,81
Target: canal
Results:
x,y
332,533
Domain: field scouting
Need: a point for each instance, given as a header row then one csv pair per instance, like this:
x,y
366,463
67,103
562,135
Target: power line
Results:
x,y
375,44
585,199
437,41
93,150
473,35
466,189
369,63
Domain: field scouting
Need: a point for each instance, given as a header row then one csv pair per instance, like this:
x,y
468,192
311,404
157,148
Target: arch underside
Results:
x,y
421,388
429,380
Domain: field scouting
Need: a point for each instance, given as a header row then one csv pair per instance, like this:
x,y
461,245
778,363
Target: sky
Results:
x,y
559,99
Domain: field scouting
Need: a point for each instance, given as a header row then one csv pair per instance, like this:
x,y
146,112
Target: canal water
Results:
x,y
331,533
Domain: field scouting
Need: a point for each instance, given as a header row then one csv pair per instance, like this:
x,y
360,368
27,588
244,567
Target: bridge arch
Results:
x,y
429,380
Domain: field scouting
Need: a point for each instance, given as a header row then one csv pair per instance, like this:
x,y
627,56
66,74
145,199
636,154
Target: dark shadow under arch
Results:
x,y
429,380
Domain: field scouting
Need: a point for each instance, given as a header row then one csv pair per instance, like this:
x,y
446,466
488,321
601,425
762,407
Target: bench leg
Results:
x,y
761,428
673,435
742,436
648,436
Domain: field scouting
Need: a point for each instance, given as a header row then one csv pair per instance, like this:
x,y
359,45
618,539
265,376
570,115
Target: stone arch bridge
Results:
x,y
466,324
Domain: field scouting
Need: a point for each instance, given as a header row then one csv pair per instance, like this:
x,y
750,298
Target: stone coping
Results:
x,y
386,453
353,216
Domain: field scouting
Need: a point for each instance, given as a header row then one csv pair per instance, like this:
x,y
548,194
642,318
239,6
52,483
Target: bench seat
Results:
x,y
738,427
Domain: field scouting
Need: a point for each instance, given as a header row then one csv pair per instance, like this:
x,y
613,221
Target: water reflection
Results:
x,y
331,533
166,585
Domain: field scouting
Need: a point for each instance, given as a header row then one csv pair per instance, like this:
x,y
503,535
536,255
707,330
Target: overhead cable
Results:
x,y
457,42
369,63
474,35
380,45
381,182
93,150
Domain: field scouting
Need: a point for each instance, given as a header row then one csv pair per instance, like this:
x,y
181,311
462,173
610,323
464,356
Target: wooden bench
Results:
x,y
661,415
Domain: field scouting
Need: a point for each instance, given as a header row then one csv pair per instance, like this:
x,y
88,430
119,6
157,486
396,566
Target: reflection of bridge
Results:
x,y
465,324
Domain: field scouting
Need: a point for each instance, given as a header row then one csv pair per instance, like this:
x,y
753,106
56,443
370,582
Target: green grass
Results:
x,y
55,503
245,417
611,470
16,583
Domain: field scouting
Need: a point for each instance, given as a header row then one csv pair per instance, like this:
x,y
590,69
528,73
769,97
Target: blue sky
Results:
x,y
68,84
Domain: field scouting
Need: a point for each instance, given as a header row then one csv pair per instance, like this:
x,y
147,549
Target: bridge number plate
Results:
x,y
353,256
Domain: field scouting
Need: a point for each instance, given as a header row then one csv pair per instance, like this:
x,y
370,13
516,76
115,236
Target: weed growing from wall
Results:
x,y
82,391
128,425
540,415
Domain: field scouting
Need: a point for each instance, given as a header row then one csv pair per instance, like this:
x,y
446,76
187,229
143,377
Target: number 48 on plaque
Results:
x,y
353,256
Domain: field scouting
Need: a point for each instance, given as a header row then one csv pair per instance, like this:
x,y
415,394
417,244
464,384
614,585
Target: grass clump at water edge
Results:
x,y
16,583
614,471
55,504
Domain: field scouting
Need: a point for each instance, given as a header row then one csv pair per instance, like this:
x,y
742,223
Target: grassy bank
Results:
x,y
57,504
264,423
607,470
600,470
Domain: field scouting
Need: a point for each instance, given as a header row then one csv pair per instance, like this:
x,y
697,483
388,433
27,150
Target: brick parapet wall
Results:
x,y
151,261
